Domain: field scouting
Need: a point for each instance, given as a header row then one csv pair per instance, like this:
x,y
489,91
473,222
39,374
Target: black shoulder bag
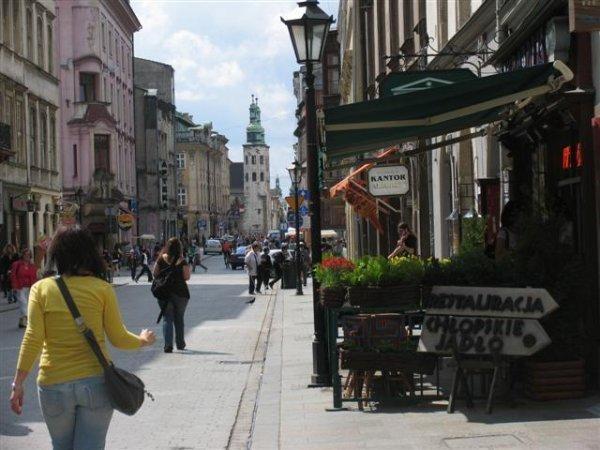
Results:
x,y
126,391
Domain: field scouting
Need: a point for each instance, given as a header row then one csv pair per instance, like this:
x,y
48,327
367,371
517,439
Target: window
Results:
x,y
117,49
6,21
43,139
246,159
110,42
181,160
253,176
40,42
262,176
20,130
52,155
104,90
246,177
87,87
103,37
333,81
75,161
29,32
262,159
50,49
102,152
181,196
33,135
16,26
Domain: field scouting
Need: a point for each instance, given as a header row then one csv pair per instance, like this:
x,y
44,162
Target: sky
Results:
x,y
223,51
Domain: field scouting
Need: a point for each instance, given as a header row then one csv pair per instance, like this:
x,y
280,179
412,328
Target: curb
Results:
x,y
8,308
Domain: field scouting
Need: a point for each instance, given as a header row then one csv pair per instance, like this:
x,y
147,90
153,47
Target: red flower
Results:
x,y
337,264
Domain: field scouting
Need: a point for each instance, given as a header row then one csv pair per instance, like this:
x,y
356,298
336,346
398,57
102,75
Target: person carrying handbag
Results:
x,y
75,379
172,271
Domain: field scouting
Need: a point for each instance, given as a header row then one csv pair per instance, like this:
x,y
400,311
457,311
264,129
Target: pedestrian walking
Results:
x,y
23,274
198,258
133,263
172,263
264,269
278,261
145,267
305,262
9,256
72,393
251,261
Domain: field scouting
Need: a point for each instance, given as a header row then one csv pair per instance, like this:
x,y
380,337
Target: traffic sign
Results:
x,y
201,223
303,210
291,217
291,201
304,193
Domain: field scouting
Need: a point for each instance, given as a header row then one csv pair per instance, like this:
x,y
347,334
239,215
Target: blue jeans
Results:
x,y
77,413
173,312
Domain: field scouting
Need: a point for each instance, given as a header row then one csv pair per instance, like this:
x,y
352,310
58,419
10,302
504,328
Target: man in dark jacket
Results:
x,y
264,269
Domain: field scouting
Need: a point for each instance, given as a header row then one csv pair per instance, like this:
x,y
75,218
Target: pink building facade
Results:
x,y
97,124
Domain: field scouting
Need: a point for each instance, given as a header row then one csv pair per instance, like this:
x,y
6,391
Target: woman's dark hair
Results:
x,y
173,249
403,226
73,251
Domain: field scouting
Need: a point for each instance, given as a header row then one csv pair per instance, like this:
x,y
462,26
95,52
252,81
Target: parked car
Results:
x,y
236,259
213,246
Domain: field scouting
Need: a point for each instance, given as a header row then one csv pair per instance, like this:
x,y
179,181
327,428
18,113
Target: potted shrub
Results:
x,y
331,274
378,282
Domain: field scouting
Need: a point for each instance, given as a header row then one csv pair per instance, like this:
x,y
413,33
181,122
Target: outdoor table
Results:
x,y
333,318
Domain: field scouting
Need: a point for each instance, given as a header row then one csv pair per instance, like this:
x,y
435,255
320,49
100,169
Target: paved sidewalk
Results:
x,y
291,416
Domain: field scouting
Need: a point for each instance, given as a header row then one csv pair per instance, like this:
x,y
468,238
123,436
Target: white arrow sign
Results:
x,y
482,335
531,303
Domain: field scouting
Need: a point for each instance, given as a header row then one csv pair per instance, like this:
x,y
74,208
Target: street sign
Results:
x,y
291,201
525,303
303,210
473,335
388,180
292,220
485,320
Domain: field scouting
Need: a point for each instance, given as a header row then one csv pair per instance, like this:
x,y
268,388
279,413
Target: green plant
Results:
x,y
332,271
379,271
473,234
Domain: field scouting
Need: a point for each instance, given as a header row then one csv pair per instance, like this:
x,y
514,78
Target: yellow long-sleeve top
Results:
x,y
51,329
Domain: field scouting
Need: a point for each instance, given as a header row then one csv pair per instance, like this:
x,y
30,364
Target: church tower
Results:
x,y
257,212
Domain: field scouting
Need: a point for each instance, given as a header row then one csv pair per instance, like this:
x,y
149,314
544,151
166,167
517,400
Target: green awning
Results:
x,y
375,124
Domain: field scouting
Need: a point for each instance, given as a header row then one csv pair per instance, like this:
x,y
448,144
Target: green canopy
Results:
x,y
372,125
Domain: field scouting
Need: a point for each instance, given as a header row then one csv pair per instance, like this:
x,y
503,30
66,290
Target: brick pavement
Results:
x,y
291,416
197,391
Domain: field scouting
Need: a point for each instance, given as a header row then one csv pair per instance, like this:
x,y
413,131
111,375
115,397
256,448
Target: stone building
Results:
x,y
155,148
277,207
202,178
29,121
257,214
97,129
236,197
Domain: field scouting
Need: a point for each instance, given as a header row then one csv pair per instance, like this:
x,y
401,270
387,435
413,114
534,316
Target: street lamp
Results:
x,y
79,195
296,176
308,26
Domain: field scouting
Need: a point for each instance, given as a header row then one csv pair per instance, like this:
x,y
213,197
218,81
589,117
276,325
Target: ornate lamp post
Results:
x,y
308,27
79,196
296,176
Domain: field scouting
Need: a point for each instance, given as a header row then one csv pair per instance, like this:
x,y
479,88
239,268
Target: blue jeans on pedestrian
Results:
x,y
173,312
77,413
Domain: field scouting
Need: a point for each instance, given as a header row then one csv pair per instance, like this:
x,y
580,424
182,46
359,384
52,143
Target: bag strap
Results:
x,y
81,326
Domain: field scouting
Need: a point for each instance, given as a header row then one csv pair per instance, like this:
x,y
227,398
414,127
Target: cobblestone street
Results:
x,y
197,391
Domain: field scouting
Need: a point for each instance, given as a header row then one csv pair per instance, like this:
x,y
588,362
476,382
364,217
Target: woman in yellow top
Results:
x,y
73,397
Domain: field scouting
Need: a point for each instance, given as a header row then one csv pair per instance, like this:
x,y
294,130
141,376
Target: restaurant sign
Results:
x,y
125,220
485,320
388,180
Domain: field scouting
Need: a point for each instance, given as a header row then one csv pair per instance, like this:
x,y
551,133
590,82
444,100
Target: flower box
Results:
x,y
403,297
333,297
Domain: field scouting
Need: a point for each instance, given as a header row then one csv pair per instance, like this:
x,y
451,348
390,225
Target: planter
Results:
x,y
333,297
405,361
403,297
554,380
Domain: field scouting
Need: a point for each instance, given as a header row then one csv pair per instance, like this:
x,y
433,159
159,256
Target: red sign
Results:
x,y
572,158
